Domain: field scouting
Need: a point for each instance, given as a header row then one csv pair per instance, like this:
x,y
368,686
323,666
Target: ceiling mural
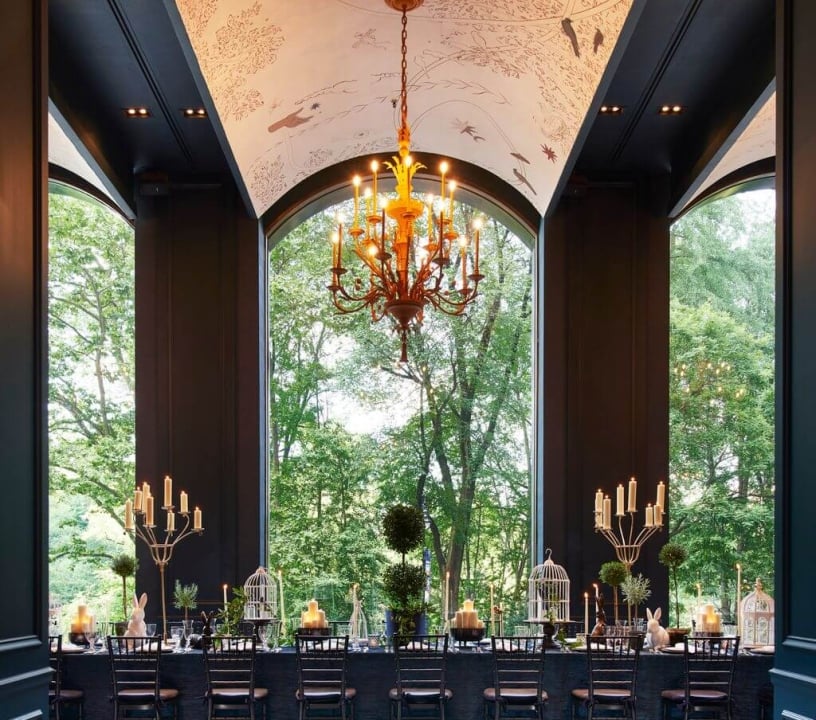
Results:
x,y
503,84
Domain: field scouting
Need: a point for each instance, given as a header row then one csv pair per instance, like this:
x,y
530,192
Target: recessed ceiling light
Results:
x,y
670,109
194,112
137,112
611,109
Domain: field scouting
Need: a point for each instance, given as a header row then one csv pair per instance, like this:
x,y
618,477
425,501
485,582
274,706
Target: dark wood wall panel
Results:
x,y
199,395
606,373
795,665
24,671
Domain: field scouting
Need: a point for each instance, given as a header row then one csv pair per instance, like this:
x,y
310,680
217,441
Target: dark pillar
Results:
x,y
794,674
200,387
605,374
24,671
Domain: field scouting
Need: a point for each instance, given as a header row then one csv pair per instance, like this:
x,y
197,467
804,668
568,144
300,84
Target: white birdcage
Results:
x,y
548,592
261,593
757,617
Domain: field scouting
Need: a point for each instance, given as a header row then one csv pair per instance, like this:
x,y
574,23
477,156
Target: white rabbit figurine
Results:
x,y
136,625
657,636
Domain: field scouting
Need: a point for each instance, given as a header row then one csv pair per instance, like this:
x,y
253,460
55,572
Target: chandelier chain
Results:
x,y
404,67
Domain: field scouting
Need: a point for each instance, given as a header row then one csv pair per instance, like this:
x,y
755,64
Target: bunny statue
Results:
x,y
136,625
656,635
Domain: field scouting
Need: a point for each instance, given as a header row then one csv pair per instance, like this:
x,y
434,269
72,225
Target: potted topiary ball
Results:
x,y
404,583
673,555
124,566
614,573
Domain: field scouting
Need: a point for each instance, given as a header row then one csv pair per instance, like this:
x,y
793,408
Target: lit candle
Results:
x,y
447,595
128,514
599,501
658,515
171,521
356,182
443,168
477,227
225,597
737,608
607,513
649,515
632,495
586,613
183,508
699,592
492,611
137,501
145,491
661,494
282,603
149,512
197,519
374,167
168,491
619,503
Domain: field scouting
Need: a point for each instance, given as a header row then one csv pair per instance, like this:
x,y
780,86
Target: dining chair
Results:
x,y
421,688
59,697
229,665
321,673
136,679
612,664
518,678
708,674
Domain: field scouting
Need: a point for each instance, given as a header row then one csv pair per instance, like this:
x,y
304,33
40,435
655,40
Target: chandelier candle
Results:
x,y
401,273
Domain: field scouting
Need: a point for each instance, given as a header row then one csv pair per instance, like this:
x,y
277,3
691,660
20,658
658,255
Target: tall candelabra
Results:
x,y
140,520
624,538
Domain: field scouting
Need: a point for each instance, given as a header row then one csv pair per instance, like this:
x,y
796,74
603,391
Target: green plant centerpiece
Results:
x,y
185,598
635,592
124,566
673,555
614,573
232,615
403,583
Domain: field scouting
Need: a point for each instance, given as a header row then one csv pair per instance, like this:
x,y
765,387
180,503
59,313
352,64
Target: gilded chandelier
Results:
x,y
405,272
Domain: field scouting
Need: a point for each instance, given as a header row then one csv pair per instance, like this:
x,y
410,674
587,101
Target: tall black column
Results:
x,y
794,673
605,369
200,379
24,671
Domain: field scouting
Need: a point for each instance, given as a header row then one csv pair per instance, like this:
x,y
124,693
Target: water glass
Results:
x,y
150,629
176,634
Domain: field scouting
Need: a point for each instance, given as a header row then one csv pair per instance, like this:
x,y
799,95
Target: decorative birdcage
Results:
x,y
261,593
548,592
757,617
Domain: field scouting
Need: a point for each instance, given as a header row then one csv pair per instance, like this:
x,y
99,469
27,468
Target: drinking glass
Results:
x,y
89,631
176,633
150,629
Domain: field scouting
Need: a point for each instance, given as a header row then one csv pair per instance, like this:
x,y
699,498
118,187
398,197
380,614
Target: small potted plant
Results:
x,y
185,598
232,615
124,566
404,583
673,555
635,589
613,573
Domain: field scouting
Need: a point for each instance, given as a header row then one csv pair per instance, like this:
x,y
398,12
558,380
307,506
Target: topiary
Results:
x,y
124,566
403,584
673,555
614,573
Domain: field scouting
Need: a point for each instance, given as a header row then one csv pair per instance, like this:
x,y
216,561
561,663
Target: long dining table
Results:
x,y
372,673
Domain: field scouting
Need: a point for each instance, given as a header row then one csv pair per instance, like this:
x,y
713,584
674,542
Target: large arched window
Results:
x,y
352,431
722,394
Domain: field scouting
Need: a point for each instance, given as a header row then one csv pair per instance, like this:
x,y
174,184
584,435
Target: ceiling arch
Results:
x,y
505,85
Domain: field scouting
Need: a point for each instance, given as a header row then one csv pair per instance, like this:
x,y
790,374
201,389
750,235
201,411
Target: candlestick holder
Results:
x,y
625,538
161,544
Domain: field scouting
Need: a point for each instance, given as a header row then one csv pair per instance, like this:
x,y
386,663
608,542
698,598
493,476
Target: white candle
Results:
x,y
607,513
649,515
658,515
586,613
149,512
599,501
129,514
737,609
447,595
619,503
595,585
632,496
492,611
282,603
137,501
197,519
168,491
661,495
183,508
225,597
171,521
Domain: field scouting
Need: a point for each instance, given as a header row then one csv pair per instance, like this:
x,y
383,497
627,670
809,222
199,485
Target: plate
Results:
x,y
673,650
761,650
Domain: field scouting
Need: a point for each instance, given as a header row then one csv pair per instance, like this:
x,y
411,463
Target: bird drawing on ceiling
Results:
x,y
524,180
465,128
597,41
569,31
521,157
549,152
292,120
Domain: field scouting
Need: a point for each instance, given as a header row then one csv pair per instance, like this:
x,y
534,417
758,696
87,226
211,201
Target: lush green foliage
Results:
x,y
722,393
91,406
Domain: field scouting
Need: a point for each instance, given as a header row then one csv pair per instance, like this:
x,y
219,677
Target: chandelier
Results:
x,y
405,272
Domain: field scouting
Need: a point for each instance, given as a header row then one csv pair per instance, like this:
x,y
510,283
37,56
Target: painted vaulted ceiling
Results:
x,y
503,84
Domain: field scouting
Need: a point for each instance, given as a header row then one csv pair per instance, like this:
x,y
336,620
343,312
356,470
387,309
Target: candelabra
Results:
x,y
139,519
626,541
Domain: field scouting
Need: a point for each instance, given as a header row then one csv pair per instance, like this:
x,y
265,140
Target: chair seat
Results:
x,y
419,695
66,695
516,696
328,694
605,695
165,694
237,692
698,695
